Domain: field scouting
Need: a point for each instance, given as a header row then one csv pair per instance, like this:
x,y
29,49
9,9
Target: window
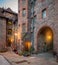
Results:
x,y
9,31
32,24
23,2
32,7
23,28
32,10
35,18
23,12
44,13
9,23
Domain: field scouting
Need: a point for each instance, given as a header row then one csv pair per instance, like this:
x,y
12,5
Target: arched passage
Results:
x,y
45,39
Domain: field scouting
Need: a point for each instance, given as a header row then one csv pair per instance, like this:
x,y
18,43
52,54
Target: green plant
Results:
x,y
31,50
26,53
20,53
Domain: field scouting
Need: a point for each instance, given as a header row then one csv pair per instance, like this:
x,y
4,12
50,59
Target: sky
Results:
x,y
13,4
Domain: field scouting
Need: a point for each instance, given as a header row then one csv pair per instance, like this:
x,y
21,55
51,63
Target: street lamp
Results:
x,y
28,45
16,34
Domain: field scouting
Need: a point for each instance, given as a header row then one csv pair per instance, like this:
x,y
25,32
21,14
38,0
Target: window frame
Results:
x,y
24,12
8,31
44,13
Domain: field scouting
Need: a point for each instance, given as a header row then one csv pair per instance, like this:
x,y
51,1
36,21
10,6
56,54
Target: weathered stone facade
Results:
x,y
22,19
50,21
8,19
2,33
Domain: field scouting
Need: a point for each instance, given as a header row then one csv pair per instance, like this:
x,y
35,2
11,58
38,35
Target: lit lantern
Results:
x,y
11,39
27,45
16,34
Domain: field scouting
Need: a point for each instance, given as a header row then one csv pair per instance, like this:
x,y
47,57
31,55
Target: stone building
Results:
x,y
45,31
8,24
41,20
23,20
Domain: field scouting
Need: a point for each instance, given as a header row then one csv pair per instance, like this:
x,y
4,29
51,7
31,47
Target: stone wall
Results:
x,y
2,33
56,26
51,20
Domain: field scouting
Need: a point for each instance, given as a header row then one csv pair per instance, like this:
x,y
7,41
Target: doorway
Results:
x,y
45,40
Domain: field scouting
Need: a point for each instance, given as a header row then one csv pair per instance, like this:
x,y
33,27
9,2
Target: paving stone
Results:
x,y
40,59
3,61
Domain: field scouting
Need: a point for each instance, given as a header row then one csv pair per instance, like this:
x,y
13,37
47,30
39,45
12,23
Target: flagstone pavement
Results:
x,y
39,59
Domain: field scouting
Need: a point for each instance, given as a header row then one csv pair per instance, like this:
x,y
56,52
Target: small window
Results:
x,y
9,23
44,13
32,24
23,12
35,18
23,28
9,31
23,2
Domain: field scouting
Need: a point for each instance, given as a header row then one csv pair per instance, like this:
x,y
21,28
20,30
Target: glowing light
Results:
x,y
9,23
16,34
19,36
28,45
11,39
48,36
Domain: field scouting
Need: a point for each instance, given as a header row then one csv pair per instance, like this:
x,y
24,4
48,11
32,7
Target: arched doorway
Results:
x,y
45,40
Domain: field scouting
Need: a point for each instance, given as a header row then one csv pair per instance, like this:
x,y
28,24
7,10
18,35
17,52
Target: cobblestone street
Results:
x,y
3,61
40,59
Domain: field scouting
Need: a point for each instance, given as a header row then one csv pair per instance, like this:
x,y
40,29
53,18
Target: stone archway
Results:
x,y
45,39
